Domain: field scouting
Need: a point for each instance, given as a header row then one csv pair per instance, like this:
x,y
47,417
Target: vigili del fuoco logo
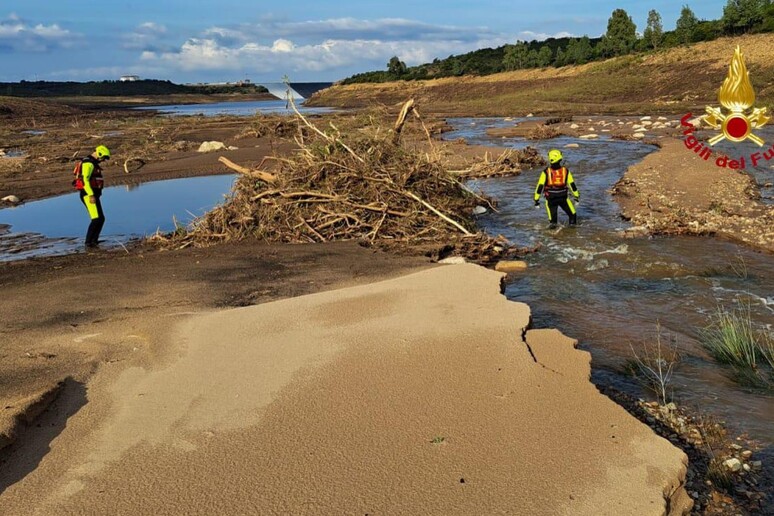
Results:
x,y
737,122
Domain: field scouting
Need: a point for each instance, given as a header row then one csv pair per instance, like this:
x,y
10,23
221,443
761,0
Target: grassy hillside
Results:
x,y
675,81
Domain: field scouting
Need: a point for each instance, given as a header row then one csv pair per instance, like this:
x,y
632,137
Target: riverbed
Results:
x,y
616,292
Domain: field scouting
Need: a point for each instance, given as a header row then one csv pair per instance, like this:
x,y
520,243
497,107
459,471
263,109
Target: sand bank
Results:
x,y
422,394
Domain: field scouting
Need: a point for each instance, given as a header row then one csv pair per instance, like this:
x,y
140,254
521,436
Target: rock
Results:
x,y
453,260
591,136
756,464
211,146
768,185
574,126
639,136
572,146
510,266
11,199
736,447
696,122
646,118
530,115
746,467
733,464
746,454
647,123
662,118
479,210
231,147
2,152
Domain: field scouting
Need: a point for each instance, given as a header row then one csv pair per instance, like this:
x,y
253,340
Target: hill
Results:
x,y
674,80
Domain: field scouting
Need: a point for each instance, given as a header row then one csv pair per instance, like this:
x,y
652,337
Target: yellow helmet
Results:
x,y
102,152
555,156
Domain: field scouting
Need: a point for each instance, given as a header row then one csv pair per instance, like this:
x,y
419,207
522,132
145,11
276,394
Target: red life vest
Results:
x,y
556,178
556,182
96,181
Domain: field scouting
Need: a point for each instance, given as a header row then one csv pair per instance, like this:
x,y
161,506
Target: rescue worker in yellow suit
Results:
x,y
556,182
89,182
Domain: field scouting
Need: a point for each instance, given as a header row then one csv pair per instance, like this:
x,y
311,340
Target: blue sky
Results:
x,y
228,40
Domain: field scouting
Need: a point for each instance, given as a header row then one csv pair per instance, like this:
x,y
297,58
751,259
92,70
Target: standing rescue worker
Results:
x,y
89,182
555,183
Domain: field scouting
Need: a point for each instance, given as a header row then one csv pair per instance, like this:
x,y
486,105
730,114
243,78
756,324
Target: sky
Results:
x,y
189,41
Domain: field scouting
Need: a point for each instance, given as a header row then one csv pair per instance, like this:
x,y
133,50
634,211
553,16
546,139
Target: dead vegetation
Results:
x,y
367,186
543,132
508,163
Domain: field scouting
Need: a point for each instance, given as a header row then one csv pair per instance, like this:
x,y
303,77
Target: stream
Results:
x,y
613,292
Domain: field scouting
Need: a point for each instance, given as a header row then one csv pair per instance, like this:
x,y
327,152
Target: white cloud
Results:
x,y
146,36
275,48
19,35
528,35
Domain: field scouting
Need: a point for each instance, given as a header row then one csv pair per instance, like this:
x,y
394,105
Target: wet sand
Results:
x,y
417,394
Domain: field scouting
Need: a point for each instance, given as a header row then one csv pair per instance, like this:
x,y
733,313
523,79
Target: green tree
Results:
x,y
516,56
740,16
686,25
559,60
532,59
545,56
621,35
396,67
654,32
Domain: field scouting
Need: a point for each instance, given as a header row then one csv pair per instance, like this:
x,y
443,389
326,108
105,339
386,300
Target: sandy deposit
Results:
x,y
413,395
675,191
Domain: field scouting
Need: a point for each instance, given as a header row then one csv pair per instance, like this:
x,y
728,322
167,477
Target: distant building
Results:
x,y
129,78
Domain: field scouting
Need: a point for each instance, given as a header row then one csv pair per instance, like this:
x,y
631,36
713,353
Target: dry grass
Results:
x,y
675,80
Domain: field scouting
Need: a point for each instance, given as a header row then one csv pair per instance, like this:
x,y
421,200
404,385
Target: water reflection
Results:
x,y
57,225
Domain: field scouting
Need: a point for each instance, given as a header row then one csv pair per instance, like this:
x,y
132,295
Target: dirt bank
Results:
x,y
701,199
417,394
675,80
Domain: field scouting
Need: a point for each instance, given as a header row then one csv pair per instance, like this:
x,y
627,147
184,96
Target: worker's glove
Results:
x,y
537,204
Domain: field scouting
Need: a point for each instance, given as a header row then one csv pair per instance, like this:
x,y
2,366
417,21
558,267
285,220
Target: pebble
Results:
x,y
757,464
591,136
479,210
11,199
733,464
574,126
646,118
211,146
746,454
453,260
572,146
639,136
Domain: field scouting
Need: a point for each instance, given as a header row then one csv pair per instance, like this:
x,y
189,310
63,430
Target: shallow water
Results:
x,y
58,225
247,108
611,292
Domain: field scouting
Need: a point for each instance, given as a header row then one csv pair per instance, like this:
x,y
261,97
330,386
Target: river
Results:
x,y
614,292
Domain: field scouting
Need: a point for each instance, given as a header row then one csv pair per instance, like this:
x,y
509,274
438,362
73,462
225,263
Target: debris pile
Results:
x,y
369,188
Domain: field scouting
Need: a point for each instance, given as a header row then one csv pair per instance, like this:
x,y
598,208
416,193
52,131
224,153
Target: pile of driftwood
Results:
x,y
368,188
508,163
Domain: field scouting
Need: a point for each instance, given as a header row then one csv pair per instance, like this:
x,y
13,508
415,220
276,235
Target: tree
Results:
x,y
559,60
686,25
545,56
396,67
532,59
740,16
516,56
621,35
654,32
